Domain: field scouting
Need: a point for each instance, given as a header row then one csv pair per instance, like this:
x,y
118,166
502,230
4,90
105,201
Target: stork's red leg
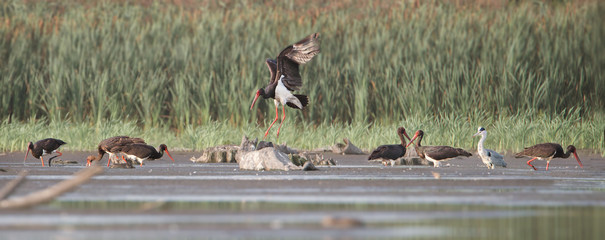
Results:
x,y
547,163
529,163
42,159
108,160
283,117
274,120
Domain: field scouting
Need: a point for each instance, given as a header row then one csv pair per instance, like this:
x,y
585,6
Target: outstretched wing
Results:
x,y
292,56
272,65
304,50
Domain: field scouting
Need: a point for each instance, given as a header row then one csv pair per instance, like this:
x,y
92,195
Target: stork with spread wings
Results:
x,y
285,77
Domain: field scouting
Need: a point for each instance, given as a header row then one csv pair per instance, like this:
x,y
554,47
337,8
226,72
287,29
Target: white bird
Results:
x,y
489,157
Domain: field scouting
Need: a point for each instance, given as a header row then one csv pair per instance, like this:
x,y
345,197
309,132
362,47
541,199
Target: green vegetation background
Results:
x,y
185,72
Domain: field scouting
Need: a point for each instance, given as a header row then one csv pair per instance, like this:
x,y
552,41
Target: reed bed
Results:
x,y
189,71
506,134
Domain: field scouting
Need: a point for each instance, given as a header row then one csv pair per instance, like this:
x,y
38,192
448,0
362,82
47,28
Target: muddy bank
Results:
x,y
221,200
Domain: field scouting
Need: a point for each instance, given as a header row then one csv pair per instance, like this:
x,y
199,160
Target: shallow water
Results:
x,y
184,200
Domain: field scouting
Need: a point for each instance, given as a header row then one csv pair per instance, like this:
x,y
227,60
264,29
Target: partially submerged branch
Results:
x,y
51,192
10,186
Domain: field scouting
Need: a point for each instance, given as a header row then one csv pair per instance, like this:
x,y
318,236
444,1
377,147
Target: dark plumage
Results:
x,y
141,152
547,151
44,147
392,152
436,154
112,146
285,76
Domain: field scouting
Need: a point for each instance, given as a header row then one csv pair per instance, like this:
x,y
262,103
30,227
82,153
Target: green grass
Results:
x,y
508,134
187,73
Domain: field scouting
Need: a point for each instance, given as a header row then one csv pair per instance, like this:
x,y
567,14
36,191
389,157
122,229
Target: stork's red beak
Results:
x,y
578,159
406,135
26,156
412,140
169,155
254,101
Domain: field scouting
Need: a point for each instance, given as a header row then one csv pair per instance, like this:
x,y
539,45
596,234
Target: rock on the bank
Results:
x,y
266,159
347,148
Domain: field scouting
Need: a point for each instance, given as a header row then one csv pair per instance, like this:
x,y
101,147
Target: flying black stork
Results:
x,y
489,157
547,151
391,152
44,147
286,78
141,152
436,154
112,147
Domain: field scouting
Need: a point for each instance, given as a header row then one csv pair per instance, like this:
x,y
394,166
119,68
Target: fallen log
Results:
x,y
50,193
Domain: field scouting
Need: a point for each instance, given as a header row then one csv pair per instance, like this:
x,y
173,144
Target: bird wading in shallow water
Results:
x,y
436,154
285,77
141,152
112,146
547,151
489,157
391,152
44,147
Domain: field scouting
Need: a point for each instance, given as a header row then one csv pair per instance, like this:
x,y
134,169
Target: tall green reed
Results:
x,y
173,66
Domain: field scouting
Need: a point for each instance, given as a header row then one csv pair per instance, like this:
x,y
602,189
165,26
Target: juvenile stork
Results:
x,y
436,154
489,157
112,146
285,77
547,151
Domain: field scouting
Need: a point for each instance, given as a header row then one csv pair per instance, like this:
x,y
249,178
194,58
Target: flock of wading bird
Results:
x,y
285,78
131,150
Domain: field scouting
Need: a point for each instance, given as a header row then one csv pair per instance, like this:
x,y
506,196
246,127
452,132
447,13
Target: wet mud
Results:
x,y
462,199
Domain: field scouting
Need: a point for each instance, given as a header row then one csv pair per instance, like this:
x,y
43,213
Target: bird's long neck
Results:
x,y
418,147
567,154
481,141
270,90
402,139
420,140
100,154
157,154
37,151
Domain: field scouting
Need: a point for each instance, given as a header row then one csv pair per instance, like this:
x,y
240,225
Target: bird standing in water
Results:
x,y
489,157
112,147
141,152
391,152
285,77
436,154
547,151
44,147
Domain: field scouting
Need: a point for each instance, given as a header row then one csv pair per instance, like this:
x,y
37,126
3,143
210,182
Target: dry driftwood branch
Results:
x,y
51,192
10,186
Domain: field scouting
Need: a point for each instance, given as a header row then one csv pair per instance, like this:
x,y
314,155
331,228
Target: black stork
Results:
x,y
112,147
285,77
547,151
391,151
44,147
436,154
141,152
